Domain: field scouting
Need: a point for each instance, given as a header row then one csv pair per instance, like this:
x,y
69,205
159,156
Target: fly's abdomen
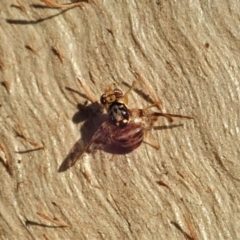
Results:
x,y
129,137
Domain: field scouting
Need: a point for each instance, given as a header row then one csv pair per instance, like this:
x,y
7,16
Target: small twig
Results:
x,y
6,84
7,163
186,235
29,47
21,134
45,237
56,205
190,228
51,3
58,53
53,220
180,174
21,6
162,183
1,64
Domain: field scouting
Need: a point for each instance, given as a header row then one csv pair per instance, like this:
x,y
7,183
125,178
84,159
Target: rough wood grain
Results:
x,y
189,53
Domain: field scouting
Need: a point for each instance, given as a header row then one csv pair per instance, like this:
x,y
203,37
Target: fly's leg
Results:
x,y
150,142
88,92
157,101
53,4
125,97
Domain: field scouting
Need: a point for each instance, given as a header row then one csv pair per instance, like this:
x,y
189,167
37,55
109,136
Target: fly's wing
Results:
x,y
75,153
99,139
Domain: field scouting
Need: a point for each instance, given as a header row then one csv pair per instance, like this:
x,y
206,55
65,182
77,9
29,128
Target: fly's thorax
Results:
x,y
119,113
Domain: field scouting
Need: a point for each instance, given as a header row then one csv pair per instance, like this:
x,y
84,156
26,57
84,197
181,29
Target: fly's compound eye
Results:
x,y
118,93
111,96
114,96
103,99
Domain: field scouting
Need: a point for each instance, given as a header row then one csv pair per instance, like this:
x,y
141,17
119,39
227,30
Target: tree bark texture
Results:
x,y
188,52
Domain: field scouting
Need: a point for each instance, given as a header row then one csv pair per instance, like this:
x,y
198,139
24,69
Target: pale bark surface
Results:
x,y
189,52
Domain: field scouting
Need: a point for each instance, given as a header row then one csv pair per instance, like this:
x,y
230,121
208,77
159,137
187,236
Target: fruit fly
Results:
x,y
123,131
